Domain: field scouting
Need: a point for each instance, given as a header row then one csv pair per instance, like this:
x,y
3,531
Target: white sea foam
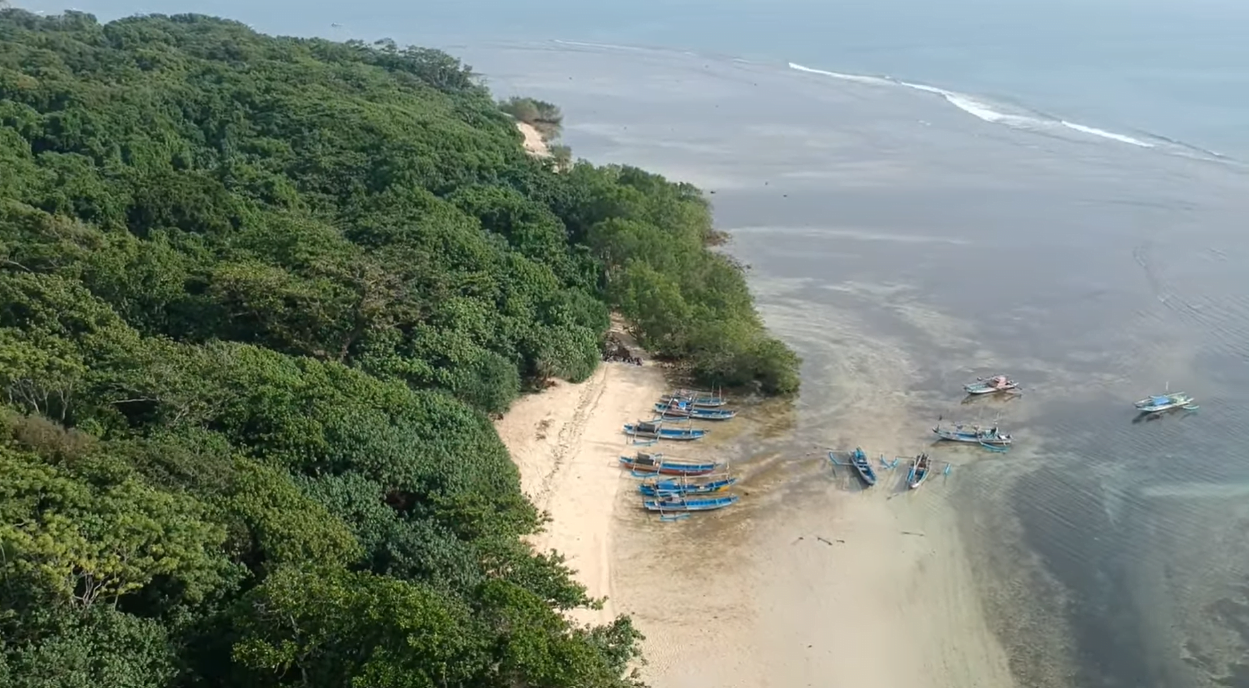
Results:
x,y
982,109
601,46
1094,131
874,80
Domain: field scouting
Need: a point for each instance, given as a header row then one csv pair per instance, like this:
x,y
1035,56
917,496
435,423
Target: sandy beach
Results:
x,y
810,581
880,594
566,442
534,143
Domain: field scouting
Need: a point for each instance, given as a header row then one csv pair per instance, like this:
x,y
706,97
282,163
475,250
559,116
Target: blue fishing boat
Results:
x,y
696,399
655,429
1165,402
671,410
660,487
920,468
972,434
862,466
658,463
684,503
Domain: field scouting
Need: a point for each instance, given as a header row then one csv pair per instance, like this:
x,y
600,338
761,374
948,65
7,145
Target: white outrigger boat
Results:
x,y
990,385
1166,402
972,434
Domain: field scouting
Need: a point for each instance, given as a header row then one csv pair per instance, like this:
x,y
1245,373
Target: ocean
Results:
x,y
926,193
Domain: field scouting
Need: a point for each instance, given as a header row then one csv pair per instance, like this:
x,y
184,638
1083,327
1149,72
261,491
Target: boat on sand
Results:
x,y
655,430
684,503
644,462
683,410
920,467
686,485
858,459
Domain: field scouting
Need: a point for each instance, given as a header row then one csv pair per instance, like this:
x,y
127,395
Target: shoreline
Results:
x,y
810,580
565,441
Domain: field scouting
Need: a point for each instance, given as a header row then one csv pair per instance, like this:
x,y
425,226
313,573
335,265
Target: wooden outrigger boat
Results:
x,y
686,485
972,434
920,467
684,503
862,466
991,385
1165,402
643,462
654,429
695,399
684,410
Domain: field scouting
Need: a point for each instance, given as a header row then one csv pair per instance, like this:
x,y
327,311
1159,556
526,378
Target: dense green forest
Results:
x,y
258,297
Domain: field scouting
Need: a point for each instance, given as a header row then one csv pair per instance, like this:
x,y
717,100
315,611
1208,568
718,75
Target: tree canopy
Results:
x,y
258,296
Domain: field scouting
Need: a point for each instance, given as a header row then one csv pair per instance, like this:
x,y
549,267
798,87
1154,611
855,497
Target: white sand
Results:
x,y
833,586
534,143
891,602
566,441
849,589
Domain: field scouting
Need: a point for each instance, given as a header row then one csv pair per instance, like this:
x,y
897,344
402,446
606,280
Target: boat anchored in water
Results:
x,y
1166,402
972,434
991,385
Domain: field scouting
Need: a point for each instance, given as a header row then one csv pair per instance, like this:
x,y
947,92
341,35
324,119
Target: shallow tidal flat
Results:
x,y
904,247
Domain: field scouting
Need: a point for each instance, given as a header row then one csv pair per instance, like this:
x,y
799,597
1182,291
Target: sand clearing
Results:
x,y
566,441
534,143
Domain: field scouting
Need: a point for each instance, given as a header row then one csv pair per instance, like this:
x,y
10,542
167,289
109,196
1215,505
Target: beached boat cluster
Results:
x,y
676,487
989,437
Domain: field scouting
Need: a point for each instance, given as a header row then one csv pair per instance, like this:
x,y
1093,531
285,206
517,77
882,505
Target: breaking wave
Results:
x,y
997,113
984,109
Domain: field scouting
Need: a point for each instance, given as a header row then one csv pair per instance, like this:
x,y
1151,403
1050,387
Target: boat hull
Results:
x,y
678,503
985,389
700,402
678,435
1159,409
999,383
696,413
918,474
972,438
664,488
669,466
862,466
